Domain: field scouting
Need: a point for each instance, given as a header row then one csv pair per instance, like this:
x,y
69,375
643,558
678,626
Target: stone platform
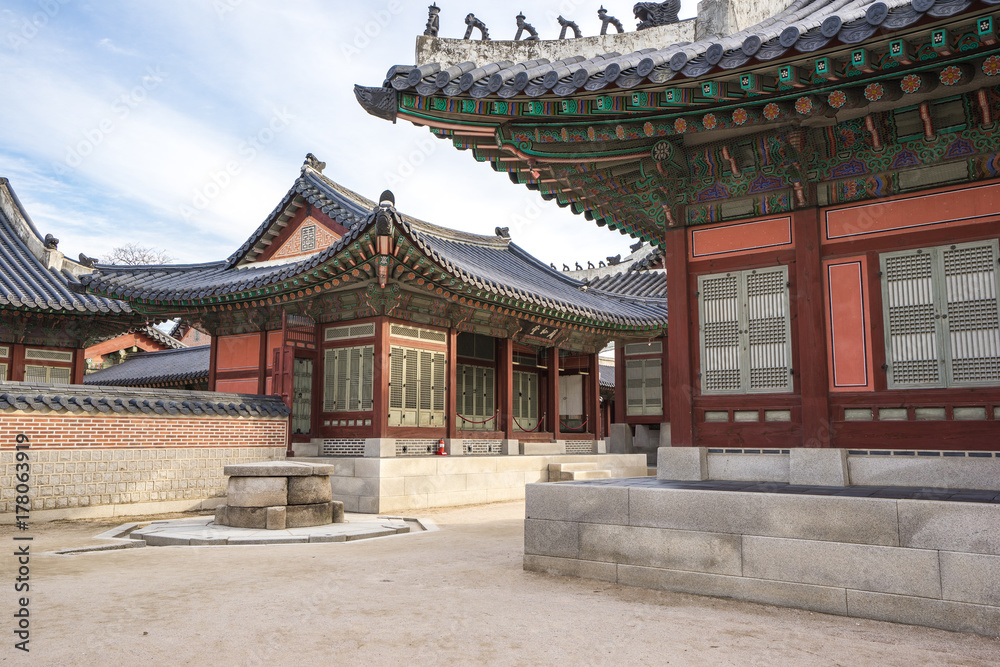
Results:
x,y
205,532
904,554
279,494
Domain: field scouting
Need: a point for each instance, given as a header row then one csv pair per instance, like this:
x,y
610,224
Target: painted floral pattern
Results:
x,y
620,132
837,99
740,116
709,121
648,129
910,84
874,92
680,126
951,75
991,66
804,105
771,111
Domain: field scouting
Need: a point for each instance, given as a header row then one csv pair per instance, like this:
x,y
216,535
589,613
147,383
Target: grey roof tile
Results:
x,y
186,364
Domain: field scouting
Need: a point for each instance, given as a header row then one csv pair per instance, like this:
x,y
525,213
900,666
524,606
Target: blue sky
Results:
x,y
180,125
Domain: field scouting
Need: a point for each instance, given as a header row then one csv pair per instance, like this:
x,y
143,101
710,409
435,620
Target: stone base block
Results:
x,y
818,467
510,448
246,517
380,448
257,491
454,446
620,439
275,518
542,448
338,512
682,463
301,516
309,490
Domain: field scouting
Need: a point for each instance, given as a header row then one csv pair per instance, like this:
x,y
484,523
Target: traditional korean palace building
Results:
x,y
45,325
825,188
385,334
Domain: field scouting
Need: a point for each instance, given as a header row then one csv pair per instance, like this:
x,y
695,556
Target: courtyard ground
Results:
x,y
453,596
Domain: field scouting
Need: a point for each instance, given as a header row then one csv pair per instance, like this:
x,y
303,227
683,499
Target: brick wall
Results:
x,y
80,461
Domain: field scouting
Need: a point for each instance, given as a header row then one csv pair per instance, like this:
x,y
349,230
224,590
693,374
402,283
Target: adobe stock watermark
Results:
x,y
410,161
30,26
121,108
372,28
247,151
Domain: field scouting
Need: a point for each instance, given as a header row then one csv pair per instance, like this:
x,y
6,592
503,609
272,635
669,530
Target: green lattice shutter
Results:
x,y
973,320
768,350
720,317
911,320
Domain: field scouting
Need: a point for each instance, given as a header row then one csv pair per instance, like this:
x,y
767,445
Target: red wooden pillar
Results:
x,y
213,359
506,376
262,365
451,365
380,392
680,355
619,382
553,387
808,299
79,361
594,407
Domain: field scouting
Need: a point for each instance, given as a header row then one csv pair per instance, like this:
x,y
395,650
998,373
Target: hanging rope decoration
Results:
x,y
574,429
530,430
464,419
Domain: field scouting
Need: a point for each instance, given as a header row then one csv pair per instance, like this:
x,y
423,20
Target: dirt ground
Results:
x,y
454,596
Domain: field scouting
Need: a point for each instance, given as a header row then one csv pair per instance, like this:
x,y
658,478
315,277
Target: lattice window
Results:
x,y
3,372
347,380
48,355
476,398
403,331
416,387
652,347
643,387
307,238
47,374
942,316
476,346
745,332
348,332
525,400
4,351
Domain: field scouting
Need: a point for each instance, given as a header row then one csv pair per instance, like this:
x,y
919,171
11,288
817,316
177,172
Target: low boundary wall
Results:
x,y
932,563
375,486
100,452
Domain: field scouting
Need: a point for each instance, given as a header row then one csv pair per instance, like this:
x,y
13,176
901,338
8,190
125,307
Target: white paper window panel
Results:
x,y
47,374
348,377
652,347
414,333
571,395
416,387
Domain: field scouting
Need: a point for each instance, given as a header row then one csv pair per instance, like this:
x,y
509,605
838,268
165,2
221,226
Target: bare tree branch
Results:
x,y
133,254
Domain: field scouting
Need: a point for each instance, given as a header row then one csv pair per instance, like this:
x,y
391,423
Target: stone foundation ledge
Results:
x,y
920,562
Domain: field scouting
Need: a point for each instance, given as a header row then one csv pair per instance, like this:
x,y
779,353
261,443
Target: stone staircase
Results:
x,y
567,472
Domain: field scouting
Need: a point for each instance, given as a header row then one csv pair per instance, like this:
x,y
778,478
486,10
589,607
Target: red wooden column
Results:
x,y
680,354
506,376
380,392
451,364
213,362
808,302
619,416
262,368
79,363
553,387
594,409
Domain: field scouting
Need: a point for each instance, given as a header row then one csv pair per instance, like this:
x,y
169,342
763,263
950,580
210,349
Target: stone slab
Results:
x,y
300,516
276,518
858,566
571,567
829,518
309,490
380,448
973,578
748,467
654,547
822,599
246,517
620,439
257,491
541,448
682,463
944,614
818,466
552,538
935,472
950,526
278,469
570,502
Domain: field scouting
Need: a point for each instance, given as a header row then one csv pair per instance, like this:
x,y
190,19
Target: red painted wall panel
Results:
x,y
237,352
848,331
741,237
237,386
963,206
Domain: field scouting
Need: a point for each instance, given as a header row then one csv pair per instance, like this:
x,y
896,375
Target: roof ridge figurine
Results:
x,y
522,27
654,14
567,24
474,23
313,162
433,21
602,14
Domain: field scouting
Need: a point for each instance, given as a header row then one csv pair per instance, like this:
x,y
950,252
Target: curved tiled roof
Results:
x,y
804,26
26,282
644,284
28,397
490,263
187,364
